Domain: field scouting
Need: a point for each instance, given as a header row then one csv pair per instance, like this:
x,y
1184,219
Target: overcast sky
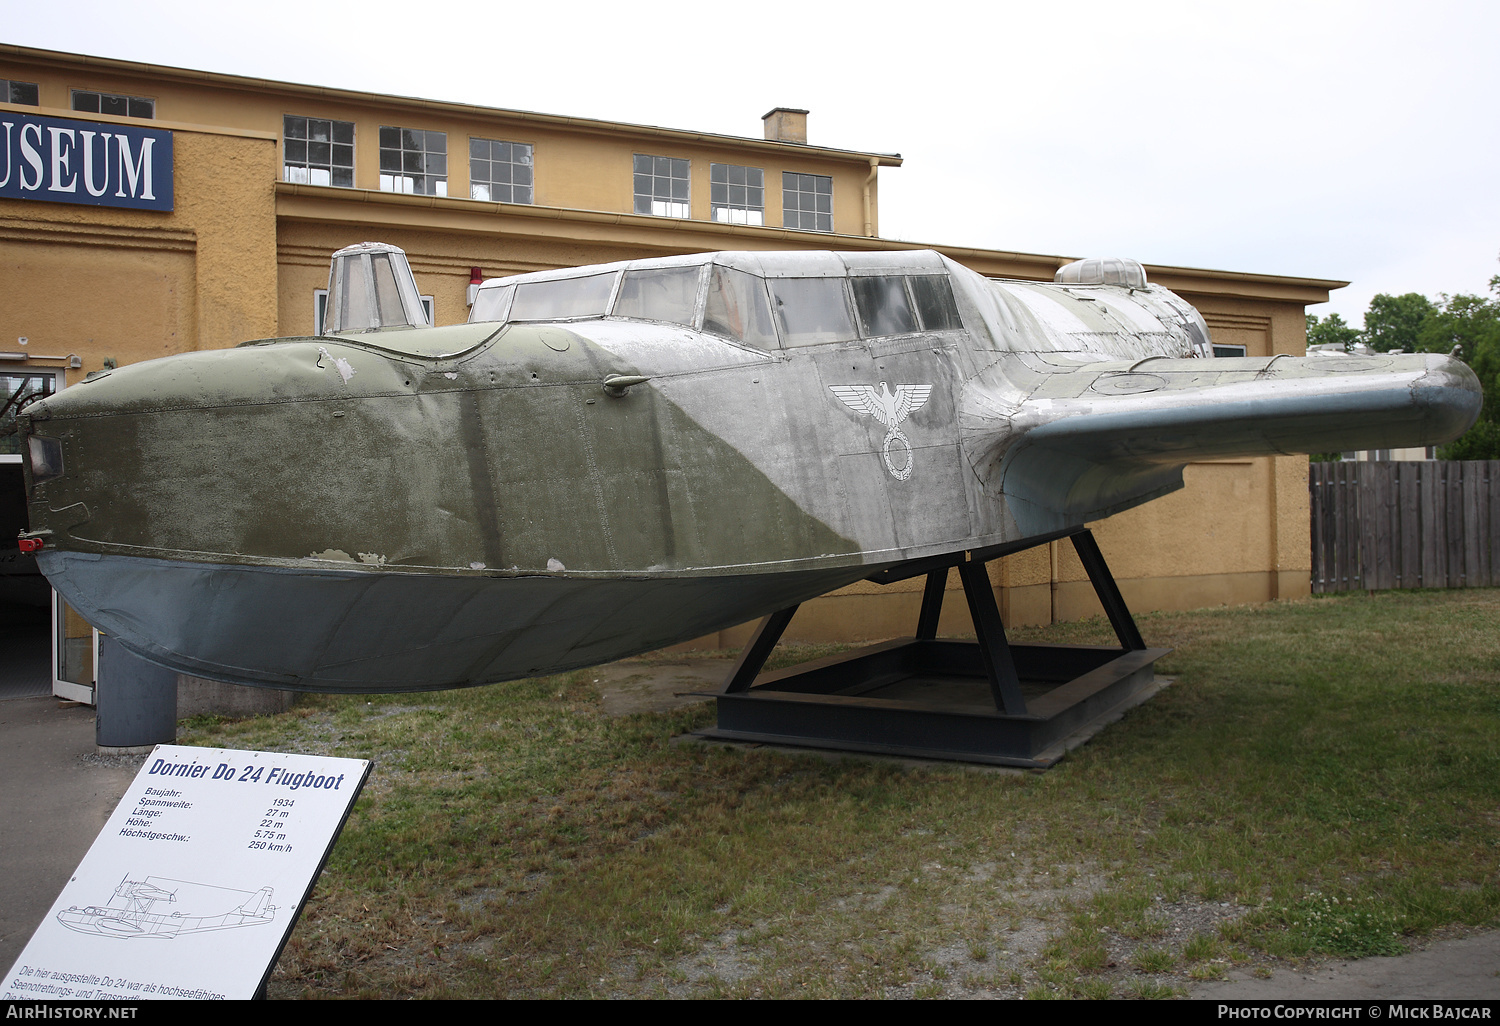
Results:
x,y
1344,140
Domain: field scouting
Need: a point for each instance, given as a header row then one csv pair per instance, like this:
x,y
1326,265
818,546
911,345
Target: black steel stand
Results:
x,y
974,701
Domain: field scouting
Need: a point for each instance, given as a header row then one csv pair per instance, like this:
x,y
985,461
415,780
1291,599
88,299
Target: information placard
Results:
x,y
194,884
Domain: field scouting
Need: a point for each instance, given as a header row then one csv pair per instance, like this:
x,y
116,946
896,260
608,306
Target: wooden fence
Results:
x,y
1398,524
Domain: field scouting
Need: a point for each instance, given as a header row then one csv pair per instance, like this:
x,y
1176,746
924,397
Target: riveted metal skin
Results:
x,y
406,509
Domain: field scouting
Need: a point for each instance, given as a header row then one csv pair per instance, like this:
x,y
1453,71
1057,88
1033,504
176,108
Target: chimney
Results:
x,y
786,124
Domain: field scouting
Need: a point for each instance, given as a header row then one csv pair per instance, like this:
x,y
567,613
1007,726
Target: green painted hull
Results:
x,y
330,630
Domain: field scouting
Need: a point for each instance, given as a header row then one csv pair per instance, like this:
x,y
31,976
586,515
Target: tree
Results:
x,y
1469,322
1480,442
1472,324
1415,324
1393,322
1330,330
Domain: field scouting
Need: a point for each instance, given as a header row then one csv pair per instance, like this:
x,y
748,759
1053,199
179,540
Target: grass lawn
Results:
x,y
1320,779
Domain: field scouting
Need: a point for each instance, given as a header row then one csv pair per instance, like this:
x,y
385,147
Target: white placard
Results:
x,y
193,885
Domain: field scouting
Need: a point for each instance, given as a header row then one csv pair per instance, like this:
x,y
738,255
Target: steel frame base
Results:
x,y
984,701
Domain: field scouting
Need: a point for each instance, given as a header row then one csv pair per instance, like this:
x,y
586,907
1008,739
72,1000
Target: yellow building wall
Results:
x,y
579,164
95,293
131,285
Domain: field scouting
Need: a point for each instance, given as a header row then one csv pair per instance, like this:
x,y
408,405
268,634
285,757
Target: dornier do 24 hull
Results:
x,y
610,459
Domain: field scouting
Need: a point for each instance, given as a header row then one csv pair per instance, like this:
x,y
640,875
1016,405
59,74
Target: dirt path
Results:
x,y
1461,968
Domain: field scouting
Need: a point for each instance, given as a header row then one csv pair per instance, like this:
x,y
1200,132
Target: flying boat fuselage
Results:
x,y
608,460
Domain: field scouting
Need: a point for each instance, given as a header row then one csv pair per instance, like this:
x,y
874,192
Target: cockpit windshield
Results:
x,y
667,294
562,298
812,310
800,300
737,308
492,303
934,298
882,305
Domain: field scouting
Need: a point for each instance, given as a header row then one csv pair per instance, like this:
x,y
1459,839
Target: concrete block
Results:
x,y
199,697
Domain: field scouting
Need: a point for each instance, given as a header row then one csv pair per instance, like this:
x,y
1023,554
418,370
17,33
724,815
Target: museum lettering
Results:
x,y
65,161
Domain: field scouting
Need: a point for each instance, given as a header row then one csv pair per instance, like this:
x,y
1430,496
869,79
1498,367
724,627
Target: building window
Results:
x,y
110,103
661,186
18,92
499,171
736,195
413,161
1229,350
807,202
318,152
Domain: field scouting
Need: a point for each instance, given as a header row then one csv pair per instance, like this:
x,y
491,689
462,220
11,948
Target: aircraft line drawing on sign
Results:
x,y
144,908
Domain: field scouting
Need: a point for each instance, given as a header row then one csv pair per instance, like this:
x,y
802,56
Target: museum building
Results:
x,y
148,210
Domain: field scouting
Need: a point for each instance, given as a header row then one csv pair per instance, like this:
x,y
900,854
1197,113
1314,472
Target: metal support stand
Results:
x,y
1109,595
975,701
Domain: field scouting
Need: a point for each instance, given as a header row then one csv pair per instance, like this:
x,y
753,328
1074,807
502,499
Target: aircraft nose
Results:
x,y
143,451
223,378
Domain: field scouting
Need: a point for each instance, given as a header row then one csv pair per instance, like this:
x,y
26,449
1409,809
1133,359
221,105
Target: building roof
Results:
x,y
301,201
577,124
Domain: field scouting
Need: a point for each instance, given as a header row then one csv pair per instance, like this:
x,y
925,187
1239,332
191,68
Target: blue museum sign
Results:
x,y
67,161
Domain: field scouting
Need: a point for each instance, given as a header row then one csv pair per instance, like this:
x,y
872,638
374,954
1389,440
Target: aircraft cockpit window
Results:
x,y
883,306
812,310
387,292
738,308
562,298
660,294
934,296
492,304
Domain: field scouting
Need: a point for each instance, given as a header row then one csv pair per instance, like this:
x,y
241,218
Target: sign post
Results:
x,y
193,886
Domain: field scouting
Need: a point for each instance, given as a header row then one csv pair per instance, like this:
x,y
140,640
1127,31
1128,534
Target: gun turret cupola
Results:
x,y
1102,271
370,287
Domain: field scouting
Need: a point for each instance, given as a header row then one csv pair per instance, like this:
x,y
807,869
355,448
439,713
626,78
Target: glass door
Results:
x,y
73,642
